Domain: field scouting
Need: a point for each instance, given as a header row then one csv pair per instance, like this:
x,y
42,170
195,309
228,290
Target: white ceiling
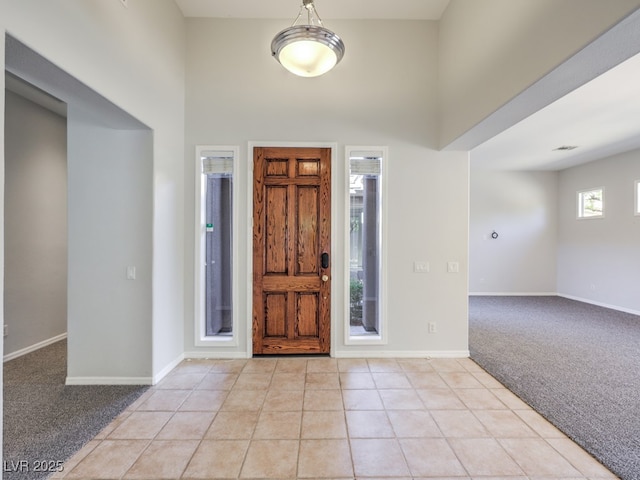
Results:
x,y
337,9
601,118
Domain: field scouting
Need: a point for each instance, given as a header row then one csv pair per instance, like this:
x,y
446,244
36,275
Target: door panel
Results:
x,y
291,231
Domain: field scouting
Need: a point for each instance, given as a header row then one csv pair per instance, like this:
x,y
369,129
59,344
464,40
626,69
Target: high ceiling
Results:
x,y
338,9
599,118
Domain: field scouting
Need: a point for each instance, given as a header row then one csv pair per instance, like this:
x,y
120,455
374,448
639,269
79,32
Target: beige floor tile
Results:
x,y
228,366
278,425
426,380
110,459
413,424
378,457
581,460
440,399
322,365
459,424
239,400
283,400
323,424
162,460
186,426
384,365
322,381
352,365
180,382
415,365
431,457
252,381
217,459
460,380
504,424
291,365
356,381
369,424
75,459
141,425
536,457
510,399
487,380
271,459
393,399
192,365
479,399
288,381
204,401
165,400
233,426
447,365
141,399
260,365
323,400
362,400
115,423
324,458
539,424
470,365
484,457
218,381
391,380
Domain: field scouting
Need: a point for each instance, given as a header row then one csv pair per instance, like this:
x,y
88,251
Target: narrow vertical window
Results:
x,y
366,246
591,203
637,197
214,244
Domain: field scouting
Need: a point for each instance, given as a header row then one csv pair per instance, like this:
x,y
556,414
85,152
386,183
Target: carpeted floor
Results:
x,y
44,420
575,363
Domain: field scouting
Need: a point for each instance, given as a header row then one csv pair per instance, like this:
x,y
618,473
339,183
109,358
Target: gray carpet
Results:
x,y
46,420
575,363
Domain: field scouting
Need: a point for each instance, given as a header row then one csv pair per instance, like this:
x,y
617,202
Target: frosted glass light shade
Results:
x,y
307,50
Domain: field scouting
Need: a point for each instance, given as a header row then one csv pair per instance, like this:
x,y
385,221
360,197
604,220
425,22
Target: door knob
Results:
x,y
325,278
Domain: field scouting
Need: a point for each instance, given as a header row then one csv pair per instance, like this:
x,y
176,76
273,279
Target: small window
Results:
x,y
214,244
637,201
366,243
591,203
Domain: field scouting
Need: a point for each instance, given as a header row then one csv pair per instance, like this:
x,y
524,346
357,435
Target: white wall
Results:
x,y
384,92
521,207
599,259
492,50
35,308
134,57
110,228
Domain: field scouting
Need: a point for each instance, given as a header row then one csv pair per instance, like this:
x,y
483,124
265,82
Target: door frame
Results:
x,y
337,257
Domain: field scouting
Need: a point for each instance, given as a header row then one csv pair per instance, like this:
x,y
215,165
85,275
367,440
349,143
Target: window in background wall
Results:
x,y
366,244
591,203
637,202
215,230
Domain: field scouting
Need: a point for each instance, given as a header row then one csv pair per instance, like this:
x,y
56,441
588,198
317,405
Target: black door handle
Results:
x,y
324,260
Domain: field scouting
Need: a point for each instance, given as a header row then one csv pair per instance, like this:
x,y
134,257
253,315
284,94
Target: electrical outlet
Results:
x,y
131,273
421,267
433,327
453,267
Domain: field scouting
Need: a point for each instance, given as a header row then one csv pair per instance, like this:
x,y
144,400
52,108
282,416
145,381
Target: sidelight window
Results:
x,y
366,245
214,245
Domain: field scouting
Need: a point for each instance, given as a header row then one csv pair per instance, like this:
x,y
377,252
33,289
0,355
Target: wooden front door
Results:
x,y
291,250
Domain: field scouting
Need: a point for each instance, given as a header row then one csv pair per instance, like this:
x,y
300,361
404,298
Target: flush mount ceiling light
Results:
x,y
308,50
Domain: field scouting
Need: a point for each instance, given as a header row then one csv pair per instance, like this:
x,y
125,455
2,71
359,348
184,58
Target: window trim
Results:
x,y
579,209
382,337
636,205
201,339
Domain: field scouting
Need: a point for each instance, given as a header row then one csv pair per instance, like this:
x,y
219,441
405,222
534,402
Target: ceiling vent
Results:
x,y
565,148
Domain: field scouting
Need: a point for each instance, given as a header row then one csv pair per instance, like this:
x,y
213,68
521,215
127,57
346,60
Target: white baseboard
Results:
x,y
512,294
166,370
34,347
109,381
403,354
217,354
600,304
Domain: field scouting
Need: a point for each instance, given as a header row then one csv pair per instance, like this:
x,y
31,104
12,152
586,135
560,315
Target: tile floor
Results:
x,y
313,418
